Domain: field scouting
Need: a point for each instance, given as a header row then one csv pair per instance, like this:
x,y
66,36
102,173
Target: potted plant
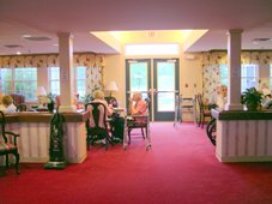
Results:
x,y
252,99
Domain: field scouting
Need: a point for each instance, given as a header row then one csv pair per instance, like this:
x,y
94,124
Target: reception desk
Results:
x,y
34,130
243,136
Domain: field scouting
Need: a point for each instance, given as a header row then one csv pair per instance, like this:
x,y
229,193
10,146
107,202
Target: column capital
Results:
x,y
65,35
234,31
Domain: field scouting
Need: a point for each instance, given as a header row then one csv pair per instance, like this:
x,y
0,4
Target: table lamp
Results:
x,y
111,86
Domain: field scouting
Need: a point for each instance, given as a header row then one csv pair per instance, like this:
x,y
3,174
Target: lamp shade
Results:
x,y
41,91
111,86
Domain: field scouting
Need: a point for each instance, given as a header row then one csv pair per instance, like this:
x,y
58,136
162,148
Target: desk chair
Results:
x,y
8,146
97,124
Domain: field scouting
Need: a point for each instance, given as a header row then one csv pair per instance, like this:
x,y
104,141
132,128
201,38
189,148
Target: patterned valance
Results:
x,y
257,57
247,57
50,60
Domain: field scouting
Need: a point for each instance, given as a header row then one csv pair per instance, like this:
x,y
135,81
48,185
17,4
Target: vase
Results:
x,y
252,106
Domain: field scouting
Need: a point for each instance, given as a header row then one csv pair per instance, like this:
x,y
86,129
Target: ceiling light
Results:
x,y
26,36
18,53
37,38
260,40
13,46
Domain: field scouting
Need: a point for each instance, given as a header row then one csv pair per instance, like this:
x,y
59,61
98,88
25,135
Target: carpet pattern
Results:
x,y
180,168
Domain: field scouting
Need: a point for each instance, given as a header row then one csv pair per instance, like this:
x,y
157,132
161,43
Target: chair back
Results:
x,y
97,115
112,101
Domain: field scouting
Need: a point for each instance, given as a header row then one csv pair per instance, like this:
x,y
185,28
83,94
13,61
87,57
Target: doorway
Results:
x,y
158,81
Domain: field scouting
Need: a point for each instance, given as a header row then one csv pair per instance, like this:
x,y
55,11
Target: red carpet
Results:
x,y
181,168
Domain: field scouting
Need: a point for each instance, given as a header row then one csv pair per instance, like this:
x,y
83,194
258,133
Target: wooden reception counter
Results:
x,y
243,136
34,130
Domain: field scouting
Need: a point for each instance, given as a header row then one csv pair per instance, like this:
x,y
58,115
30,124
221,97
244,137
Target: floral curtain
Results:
x,y
210,73
93,62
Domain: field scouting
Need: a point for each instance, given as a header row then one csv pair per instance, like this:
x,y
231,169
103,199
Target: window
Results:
x,y
54,80
249,76
6,80
223,74
80,81
19,80
25,82
152,49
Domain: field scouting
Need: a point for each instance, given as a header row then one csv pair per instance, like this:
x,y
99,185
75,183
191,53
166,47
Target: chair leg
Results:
x,y
7,161
88,142
142,130
107,143
17,163
129,138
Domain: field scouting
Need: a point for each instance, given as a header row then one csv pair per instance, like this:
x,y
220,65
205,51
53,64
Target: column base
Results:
x,y
233,106
67,109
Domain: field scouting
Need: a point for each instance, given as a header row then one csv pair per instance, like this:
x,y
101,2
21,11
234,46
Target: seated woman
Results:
x,y
8,103
137,105
267,102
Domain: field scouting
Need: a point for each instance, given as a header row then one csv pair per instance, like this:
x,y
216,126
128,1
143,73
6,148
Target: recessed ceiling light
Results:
x,y
26,36
13,46
260,40
18,53
37,38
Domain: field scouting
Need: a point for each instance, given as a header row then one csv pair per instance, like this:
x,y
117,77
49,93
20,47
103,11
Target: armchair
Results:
x,y
8,146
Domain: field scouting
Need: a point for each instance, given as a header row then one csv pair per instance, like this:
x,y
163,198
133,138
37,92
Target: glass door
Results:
x,y
166,86
138,77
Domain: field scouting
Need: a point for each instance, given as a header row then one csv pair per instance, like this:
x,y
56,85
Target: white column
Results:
x,y
234,68
66,72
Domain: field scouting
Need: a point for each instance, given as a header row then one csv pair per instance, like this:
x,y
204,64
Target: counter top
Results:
x,y
78,116
242,115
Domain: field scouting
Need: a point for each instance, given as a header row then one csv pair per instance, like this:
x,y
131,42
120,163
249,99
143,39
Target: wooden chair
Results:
x,y
203,111
142,122
8,146
97,125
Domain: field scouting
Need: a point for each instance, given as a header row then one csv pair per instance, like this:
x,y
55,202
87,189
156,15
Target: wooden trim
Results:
x,y
45,117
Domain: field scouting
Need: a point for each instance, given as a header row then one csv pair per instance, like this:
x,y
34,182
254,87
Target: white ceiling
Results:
x,y
48,17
